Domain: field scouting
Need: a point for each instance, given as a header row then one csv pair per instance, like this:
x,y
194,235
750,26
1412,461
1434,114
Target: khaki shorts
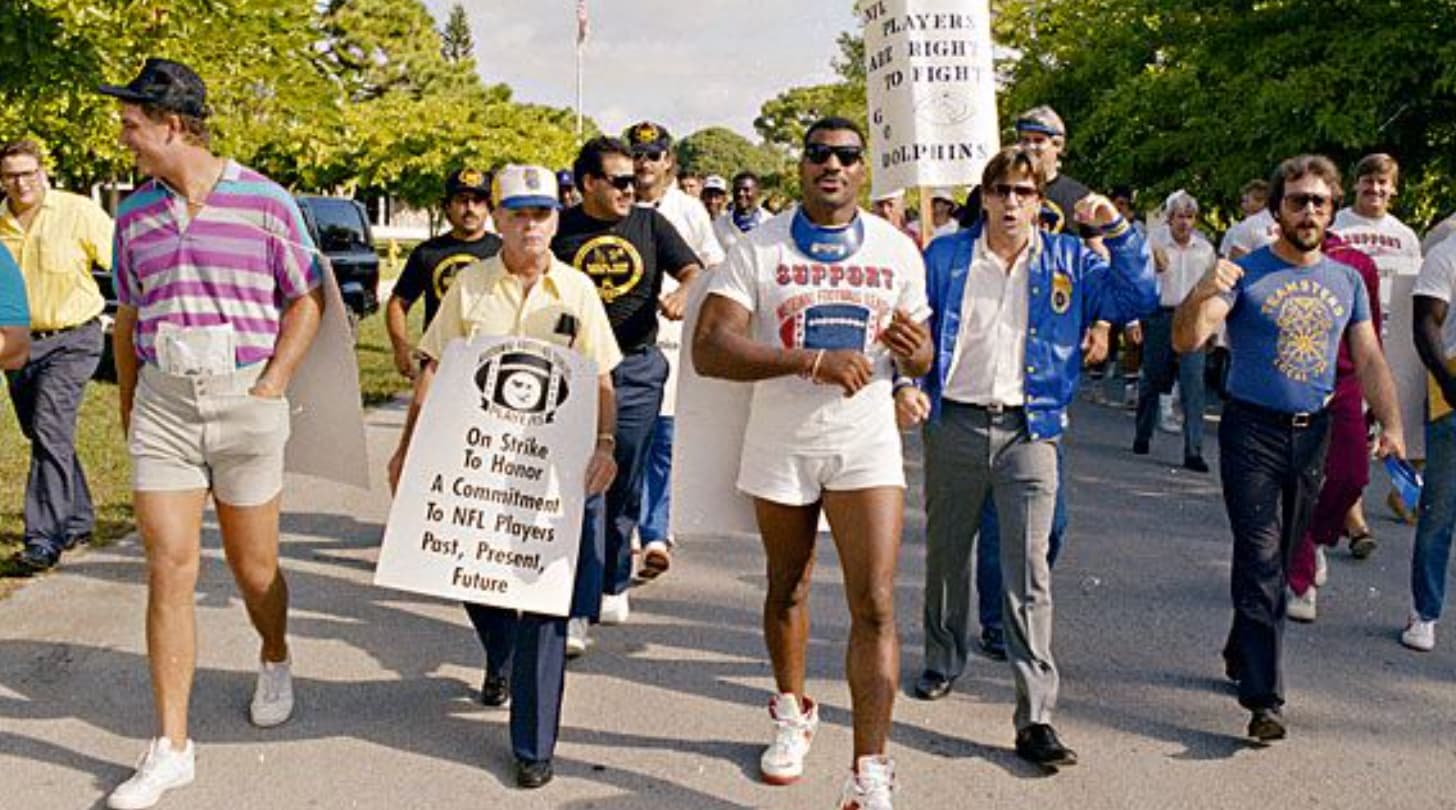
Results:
x,y
207,432
799,479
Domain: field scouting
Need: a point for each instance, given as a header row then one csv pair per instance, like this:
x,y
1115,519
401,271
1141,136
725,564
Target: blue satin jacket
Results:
x,y
1071,286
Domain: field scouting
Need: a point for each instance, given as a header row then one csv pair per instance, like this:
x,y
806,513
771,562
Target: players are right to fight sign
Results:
x,y
489,505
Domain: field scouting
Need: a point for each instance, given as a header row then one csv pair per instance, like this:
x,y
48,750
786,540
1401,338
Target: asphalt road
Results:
x,y
669,711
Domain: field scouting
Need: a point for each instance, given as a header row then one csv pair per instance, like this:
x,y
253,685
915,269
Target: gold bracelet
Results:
x,y
813,375
608,438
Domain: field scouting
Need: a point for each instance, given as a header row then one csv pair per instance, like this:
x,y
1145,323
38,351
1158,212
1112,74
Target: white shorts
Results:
x,y
794,478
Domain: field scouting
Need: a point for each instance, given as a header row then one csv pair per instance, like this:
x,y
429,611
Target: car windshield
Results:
x,y
339,224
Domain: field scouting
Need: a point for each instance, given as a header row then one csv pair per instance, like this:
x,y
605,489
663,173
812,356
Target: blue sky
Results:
x,y
686,64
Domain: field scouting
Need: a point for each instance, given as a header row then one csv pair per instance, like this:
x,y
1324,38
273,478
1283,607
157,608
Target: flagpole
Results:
x,y
578,91
582,26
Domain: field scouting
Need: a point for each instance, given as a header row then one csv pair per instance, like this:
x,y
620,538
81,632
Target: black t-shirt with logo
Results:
x,y
432,265
1058,209
626,260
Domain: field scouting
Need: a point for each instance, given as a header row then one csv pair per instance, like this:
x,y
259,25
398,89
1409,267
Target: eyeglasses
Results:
x,y
653,155
16,178
1298,202
621,182
819,153
1006,190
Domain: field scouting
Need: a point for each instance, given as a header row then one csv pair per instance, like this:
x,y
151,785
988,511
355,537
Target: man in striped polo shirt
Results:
x,y
219,293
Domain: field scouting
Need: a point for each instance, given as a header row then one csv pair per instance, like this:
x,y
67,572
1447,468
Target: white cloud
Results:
x,y
686,64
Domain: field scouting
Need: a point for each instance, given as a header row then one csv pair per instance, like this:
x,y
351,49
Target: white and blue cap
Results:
x,y
525,187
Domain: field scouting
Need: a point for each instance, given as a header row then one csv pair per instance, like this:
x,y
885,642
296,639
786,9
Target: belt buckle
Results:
x,y
1300,420
995,408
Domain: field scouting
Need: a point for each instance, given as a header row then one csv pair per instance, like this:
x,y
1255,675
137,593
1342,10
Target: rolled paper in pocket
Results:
x,y
1405,479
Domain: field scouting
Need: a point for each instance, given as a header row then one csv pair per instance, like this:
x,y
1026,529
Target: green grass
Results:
x,y
102,447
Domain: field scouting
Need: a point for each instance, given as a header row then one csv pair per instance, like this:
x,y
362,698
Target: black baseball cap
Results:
x,y
163,83
468,179
648,136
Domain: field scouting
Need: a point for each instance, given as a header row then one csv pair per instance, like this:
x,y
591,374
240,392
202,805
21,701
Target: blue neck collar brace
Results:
x,y
826,244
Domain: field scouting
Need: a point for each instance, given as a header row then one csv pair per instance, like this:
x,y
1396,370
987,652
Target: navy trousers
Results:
x,y
47,393
638,381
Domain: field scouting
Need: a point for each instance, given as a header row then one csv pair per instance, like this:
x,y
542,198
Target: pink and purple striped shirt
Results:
x,y
244,256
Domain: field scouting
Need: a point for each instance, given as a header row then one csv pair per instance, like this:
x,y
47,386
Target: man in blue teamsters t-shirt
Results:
x,y
1286,307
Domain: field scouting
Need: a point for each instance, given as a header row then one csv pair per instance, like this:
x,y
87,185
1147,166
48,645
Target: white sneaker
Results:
x,y
1302,608
656,559
782,762
869,785
273,695
576,638
161,768
1419,635
1321,566
615,608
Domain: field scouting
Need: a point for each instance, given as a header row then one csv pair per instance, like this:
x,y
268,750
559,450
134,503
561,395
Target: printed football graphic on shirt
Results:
x,y
613,263
827,326
1306,314
446,270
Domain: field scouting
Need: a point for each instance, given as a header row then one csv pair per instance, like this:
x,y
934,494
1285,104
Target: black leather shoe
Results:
x,y
530,775
496,691
1140,447
993,643
1195,463
78,540
1266,725
932,686
35,559
1231,669
1038,744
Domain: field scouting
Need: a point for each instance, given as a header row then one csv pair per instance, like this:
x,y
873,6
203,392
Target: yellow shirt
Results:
x,y
485,299
68,234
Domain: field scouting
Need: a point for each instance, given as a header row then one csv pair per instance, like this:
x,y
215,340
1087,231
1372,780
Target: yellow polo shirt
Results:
x,y
68,234
485,299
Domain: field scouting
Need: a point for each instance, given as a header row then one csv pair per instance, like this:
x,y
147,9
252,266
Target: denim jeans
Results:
x,y
1432,551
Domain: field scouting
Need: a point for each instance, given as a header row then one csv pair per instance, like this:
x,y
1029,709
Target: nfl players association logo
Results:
x,y
522,382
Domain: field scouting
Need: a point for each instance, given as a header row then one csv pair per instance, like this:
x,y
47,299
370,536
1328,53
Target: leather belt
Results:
x,y
42,334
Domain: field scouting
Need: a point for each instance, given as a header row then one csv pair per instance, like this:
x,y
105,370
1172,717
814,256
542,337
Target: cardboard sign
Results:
x,y
327,436
932,92
489,505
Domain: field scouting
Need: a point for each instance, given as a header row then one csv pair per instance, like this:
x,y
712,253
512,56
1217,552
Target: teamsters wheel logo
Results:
x,y
521,385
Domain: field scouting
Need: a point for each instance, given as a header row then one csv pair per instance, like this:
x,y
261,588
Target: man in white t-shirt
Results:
x,y
1435,338
1182,257
819,308
1369,227
1257,229
1438,234
654,166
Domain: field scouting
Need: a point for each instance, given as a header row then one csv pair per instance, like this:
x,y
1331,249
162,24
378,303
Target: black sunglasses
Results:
x,y
621,182
1297,202
653,155
818,154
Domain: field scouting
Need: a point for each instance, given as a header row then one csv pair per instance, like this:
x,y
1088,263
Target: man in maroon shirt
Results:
x,y
1347,465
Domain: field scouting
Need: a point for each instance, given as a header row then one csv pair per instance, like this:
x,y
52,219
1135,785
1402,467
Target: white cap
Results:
x,y
525,187
897,194
942,194
715,182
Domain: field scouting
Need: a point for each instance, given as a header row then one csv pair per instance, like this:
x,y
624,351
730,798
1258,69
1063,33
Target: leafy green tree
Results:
x,y
457,42
721,151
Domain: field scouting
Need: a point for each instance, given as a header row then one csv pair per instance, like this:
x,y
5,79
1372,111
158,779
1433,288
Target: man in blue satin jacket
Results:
x,y
1010,306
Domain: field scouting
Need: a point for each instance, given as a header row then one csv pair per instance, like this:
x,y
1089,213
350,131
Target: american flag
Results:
x,y
582,22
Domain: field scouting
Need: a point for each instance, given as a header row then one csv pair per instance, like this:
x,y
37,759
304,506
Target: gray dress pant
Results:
x,y
972,454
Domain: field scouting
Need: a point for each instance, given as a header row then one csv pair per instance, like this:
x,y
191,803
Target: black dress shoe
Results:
x,y
1266,725
993,643
35,559
496,691
1140,447
1038,744
531,775
932,685
1195,463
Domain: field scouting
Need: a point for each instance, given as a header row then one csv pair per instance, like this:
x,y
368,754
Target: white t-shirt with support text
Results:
x,y
797,302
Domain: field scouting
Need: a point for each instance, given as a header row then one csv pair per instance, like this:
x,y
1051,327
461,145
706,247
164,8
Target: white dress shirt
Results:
x,y
990,350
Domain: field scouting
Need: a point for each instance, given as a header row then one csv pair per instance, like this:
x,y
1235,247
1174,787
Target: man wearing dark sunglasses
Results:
x,y
655,166
626,250
1011,303
818,309
1286,307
